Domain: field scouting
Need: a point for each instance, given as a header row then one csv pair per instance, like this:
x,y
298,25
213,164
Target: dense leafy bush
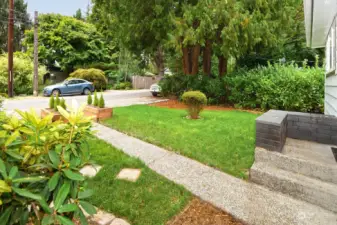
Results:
x,y
284,87
123,86
195,101
95,76
39,165
278,87
23,73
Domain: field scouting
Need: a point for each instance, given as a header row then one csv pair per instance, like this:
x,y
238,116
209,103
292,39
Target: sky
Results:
x,y
64,7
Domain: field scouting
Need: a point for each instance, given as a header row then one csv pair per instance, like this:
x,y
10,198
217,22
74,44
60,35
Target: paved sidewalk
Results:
x,y
246,201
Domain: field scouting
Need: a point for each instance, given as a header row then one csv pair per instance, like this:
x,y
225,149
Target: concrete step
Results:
x,y
308,189
323,171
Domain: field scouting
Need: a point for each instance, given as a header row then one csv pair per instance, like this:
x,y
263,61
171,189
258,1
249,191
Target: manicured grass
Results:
x,y
151,200
221,139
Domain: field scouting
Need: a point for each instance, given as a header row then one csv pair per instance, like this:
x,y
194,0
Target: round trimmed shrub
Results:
x,y
96,76
195,101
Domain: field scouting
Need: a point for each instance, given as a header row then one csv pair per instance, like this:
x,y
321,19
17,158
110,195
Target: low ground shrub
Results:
x,y
39,165
23,73
123,86
283,87
95,76
195,101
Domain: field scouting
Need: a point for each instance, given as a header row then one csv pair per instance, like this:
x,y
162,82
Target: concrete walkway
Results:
x,y
251,203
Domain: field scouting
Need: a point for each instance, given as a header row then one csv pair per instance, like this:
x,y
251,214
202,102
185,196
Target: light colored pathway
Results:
x,y
248,202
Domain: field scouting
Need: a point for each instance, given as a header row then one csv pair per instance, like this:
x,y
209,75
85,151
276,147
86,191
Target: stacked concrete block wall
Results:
x,y
271,129
312,127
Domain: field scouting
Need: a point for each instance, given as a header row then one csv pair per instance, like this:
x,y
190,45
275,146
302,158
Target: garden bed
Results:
x,y
221,139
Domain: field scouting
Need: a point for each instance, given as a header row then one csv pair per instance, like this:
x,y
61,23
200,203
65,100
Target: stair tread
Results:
x,y
296,177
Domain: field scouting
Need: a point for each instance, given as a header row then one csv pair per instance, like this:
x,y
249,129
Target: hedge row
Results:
x,y
283,87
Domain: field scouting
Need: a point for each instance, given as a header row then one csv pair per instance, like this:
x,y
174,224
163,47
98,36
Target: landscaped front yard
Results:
x,y
152,199
221,139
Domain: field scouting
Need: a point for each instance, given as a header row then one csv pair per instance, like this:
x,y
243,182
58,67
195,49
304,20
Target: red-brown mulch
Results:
x,y
175,104
199,212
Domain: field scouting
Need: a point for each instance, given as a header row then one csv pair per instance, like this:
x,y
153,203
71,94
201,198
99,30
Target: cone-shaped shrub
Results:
x,y
101,102
89,99
96,101
63,103
195,101
57,102
51,102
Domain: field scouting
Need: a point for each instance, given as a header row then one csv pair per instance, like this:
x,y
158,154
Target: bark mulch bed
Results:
x,y
199,212
175,104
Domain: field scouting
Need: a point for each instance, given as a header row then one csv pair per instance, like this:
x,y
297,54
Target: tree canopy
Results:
x,y
69,42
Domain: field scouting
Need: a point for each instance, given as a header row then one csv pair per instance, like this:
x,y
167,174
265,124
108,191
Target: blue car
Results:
x,y
69,87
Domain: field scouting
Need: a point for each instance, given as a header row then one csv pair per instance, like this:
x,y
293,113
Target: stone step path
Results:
x,y
248,202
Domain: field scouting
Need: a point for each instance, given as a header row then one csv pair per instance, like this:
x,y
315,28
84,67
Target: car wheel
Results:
x,y
56,92
86,91
154,94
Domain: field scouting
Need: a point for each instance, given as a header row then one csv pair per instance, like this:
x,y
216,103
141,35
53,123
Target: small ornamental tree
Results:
x,y
57,102
51,102
96,101
101,102
89,100
195,101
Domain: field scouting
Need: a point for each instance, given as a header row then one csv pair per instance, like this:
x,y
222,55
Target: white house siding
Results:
x,y
331,95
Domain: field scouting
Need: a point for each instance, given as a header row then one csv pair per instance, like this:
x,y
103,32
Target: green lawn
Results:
x,y
221,139
151,200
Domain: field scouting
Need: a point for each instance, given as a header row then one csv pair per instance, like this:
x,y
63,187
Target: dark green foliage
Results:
x,y
101,102
95,76
96,100
89,99
278,87
123,86
284,87
195,100
52,102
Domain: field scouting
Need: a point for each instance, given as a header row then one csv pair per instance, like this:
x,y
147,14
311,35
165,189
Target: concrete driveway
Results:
x,y
112,99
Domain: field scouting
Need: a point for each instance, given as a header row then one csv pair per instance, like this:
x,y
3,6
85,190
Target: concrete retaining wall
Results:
x,y
273,127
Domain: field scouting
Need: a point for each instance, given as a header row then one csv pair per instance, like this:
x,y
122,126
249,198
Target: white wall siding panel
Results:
x,y
331,95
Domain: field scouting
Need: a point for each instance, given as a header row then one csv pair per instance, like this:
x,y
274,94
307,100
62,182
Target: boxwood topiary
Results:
x,y
195,101
96,76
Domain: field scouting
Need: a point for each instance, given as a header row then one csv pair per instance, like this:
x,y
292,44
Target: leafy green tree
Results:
x,y
69,42
78,15
22,22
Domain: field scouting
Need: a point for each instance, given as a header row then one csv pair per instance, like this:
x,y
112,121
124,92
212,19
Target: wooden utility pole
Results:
x,y
10,47
36,57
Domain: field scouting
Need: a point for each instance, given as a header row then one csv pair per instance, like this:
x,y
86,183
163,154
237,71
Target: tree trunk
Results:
x,y
186,61
207,58
222,66
159,60
195,53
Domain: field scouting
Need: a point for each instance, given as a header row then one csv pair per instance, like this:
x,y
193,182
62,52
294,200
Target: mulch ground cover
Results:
x,y
199,212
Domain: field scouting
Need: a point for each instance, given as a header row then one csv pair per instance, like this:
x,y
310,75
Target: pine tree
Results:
x,y
63,103
51,102
101,103
96,101
89,100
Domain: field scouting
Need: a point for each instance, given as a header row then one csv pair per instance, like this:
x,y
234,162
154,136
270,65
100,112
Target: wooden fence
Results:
x,y
143,82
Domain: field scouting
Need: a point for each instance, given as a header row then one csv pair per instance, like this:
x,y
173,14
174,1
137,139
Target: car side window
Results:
x,y
80,81
72,82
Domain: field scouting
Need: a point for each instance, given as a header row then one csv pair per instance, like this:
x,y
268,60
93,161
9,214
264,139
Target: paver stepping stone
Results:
x,y
119,222
90,170
102,218
129,174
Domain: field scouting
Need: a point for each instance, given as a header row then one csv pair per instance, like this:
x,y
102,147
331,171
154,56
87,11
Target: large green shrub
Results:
x,y
39,165
284,87
95,76
23,73
123,86
195,101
